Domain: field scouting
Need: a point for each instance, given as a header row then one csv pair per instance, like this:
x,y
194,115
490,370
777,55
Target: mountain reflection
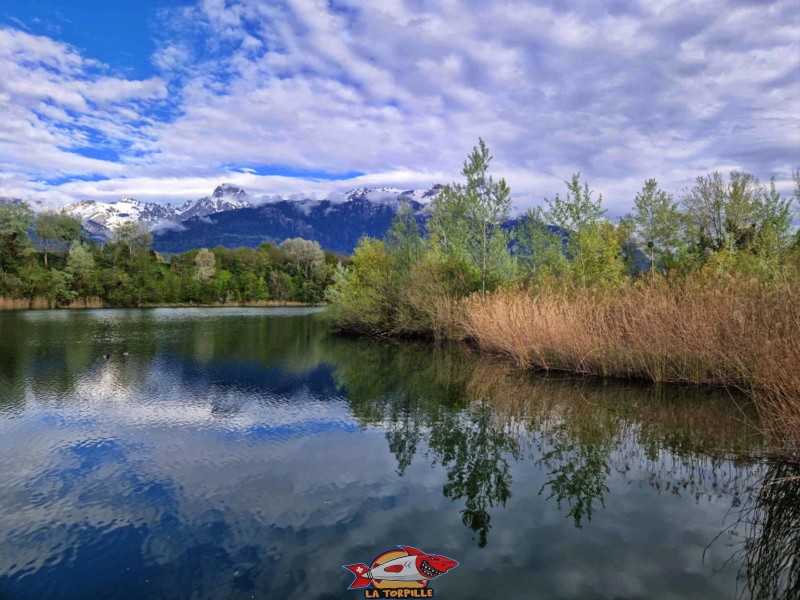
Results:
x,y
489,435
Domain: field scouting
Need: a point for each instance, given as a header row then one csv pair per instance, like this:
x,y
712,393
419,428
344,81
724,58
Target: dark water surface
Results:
x,y
246,453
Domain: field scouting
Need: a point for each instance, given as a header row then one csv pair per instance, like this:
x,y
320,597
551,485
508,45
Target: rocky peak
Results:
x,y
227,189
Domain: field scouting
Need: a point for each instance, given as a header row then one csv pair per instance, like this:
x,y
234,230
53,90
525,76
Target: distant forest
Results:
x,y
65,268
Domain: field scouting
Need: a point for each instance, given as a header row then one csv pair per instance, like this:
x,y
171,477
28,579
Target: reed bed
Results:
x,y
738,336
14,303
91,302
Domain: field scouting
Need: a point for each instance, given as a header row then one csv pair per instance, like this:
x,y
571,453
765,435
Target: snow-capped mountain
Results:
x,y
100,218
392,197
225,197
337,221
111,214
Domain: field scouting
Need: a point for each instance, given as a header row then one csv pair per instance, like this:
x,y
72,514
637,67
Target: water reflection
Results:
x,y
245,452
769,522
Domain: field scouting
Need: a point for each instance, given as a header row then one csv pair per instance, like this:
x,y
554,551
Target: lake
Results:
x,y
249,453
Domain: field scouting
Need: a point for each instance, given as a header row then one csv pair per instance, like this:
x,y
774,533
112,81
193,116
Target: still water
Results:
x,y
248,453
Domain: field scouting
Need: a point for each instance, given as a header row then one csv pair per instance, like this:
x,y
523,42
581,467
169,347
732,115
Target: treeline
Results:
x,y
731,227
61,267
704,288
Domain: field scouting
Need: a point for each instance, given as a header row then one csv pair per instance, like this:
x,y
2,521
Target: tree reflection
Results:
x,y
444,404
474,451
475,417
577,472
419,396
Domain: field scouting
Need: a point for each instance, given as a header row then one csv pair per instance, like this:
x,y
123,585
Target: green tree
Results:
x,y
361,295
59,288
15,221
467,219
722,214
774,221
403,240
224,286
80,265
304,255
205,263
540,248
656,225
592,248
133,236
51,227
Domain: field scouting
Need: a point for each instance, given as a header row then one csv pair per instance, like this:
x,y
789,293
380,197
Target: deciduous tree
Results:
x,y
51,227
467,218
15,221
655,225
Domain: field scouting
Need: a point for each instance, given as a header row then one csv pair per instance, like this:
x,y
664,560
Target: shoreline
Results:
x,y
14,304
690,333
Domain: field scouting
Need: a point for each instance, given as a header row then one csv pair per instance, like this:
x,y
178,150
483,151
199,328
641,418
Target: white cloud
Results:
x,y
401,90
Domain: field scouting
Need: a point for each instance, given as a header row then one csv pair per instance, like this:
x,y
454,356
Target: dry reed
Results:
x,y
683,332
42,303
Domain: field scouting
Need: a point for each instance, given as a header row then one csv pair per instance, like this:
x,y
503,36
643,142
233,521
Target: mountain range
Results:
x,y
231,218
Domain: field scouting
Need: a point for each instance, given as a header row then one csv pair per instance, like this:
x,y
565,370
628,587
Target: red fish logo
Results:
x,y
404,569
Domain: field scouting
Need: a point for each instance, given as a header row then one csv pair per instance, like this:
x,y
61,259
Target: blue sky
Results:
x,y
163,100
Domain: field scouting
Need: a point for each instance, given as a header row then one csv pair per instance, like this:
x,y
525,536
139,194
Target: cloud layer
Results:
x,y
308,96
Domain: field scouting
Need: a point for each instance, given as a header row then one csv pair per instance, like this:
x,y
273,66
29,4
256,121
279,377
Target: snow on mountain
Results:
x,y
387,196
225,197
111,214
99,218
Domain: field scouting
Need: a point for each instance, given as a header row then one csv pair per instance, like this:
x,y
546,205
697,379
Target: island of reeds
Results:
x,y
702,289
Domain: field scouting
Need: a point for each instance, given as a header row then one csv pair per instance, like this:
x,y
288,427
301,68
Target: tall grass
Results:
x,y
42,303
735,335
14,303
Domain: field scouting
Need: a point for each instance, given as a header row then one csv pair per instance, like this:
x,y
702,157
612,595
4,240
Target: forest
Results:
x,y
59,266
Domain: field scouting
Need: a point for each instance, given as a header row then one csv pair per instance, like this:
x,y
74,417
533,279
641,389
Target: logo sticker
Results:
x,y
402,573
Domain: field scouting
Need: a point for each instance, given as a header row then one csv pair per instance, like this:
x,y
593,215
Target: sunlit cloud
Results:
x,y
309,97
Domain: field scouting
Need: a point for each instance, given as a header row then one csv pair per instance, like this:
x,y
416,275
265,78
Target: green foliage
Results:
x,y
206,262
404,241
15,221
362,294
540,249
81,267
133,237
467,220
720,214
303,256
656,226
52,227
739,225
572,241
576,210
127,272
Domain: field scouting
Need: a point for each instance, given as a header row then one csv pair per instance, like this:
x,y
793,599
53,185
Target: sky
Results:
x,y
163,100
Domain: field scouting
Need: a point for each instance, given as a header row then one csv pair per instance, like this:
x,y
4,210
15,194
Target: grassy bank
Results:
x,y
43,303
740,337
